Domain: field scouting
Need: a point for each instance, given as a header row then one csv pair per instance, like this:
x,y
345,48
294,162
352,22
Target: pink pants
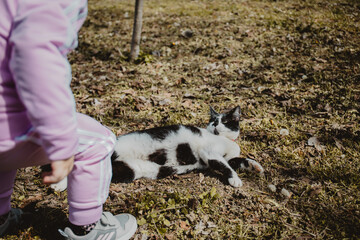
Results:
x,y
88,183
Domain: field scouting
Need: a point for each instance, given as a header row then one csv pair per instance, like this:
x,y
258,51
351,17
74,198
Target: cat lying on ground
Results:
x,y
163,151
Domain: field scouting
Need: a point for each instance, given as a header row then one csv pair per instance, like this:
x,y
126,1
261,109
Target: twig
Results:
x,y
293,226
157,230
262,192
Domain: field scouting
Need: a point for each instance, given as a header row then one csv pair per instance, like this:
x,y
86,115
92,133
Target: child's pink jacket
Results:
x,y
35,96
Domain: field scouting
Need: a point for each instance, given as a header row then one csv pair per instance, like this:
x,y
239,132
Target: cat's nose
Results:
x,y
216,132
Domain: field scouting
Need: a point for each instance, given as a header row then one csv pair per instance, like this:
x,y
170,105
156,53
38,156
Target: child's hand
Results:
x,y
60,169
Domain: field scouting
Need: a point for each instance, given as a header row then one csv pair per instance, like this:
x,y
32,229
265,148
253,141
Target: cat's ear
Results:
x,y
235,113
213,113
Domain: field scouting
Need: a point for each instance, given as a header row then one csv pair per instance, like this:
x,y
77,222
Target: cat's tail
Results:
x,y
114,156
121,171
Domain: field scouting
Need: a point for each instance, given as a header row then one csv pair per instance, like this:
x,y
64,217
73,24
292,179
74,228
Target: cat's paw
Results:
x,y
60,186
255,166
235,182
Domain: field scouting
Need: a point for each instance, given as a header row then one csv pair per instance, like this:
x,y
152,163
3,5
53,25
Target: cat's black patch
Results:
x,y
165,172
202,162
215,122
235,163
221,167
231,119
160,133
232,125
194,130
114,156
184,154
122,172
159,157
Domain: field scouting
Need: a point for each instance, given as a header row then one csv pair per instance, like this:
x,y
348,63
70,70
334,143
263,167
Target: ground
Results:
x,y
293,67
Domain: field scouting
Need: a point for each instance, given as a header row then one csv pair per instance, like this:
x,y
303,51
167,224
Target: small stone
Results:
x,y
187,33
165,102
96,102
313,141
156,53
261,88
211,224
284,132
272,187
286,193
277,149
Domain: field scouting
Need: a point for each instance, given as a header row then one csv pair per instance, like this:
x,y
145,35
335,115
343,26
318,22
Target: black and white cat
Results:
x,y
159,152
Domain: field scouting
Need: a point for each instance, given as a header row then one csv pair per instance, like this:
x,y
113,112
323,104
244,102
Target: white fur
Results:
x,y
140,146
60,186
134,149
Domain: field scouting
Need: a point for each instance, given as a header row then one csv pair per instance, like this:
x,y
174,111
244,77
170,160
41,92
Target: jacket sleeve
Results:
x,y
39,41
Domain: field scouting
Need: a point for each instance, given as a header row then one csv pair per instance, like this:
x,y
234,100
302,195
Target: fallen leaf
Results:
x,y
338,143
211,225
129,91
200,226
165,102
201,177
141,221
166,222
212,192
187,103
184,225
170,236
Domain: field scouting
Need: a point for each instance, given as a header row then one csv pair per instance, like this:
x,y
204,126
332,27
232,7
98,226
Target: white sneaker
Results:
x,y
12,222
109,227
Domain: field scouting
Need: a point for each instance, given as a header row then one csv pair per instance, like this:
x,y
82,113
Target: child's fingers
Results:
x,y
52,177
60,169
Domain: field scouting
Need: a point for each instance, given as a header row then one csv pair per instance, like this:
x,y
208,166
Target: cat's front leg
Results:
x,y
247,164
218,163
235,182
227,171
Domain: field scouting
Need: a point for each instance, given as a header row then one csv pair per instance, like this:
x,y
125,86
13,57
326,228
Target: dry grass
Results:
x,y
291,65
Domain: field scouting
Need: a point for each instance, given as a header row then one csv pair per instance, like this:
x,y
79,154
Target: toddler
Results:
x,y
38,121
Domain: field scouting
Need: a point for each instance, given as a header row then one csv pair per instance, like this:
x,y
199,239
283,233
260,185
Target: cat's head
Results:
x,y
225,124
